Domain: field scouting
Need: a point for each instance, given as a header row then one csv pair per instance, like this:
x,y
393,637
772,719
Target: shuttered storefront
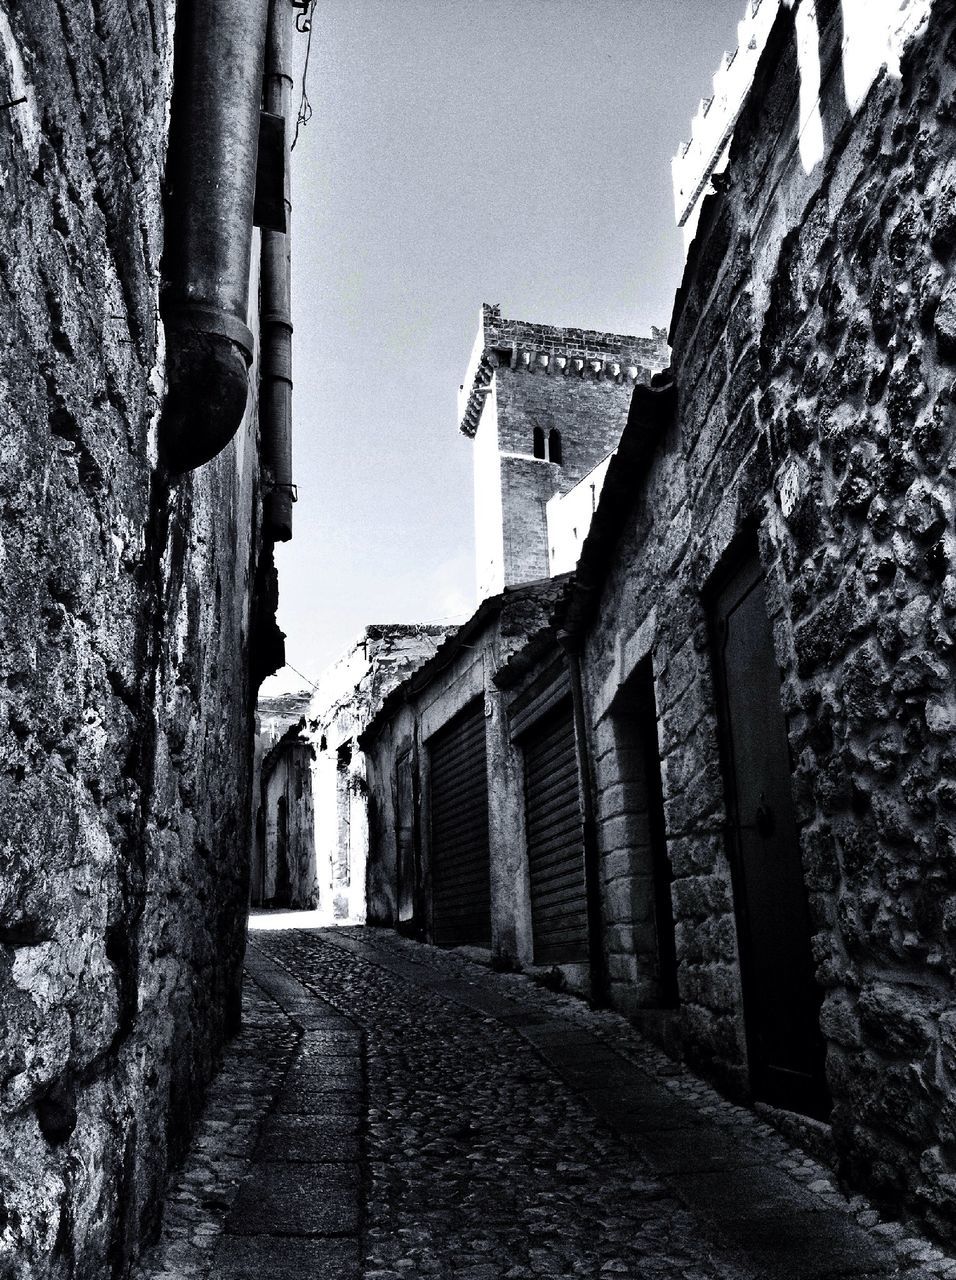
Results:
x,y
461,889
555,840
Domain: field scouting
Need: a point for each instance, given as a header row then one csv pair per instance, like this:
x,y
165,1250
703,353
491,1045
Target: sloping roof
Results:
x,y
546,593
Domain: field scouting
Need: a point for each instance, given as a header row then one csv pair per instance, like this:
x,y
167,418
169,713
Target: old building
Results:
x,y
545,407
736,733
444,787
141,501
312,823
282,803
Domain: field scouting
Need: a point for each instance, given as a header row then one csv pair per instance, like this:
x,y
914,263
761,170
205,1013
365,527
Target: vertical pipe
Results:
x,y
275,395
210,186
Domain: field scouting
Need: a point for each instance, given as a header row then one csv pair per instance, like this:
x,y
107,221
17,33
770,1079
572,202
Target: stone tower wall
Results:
x,y
525,376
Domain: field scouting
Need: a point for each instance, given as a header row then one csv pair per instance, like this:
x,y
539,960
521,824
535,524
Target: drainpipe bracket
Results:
x,y
208,354
191,316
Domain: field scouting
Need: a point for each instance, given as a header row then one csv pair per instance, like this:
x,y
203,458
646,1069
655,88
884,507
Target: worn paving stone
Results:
x,y
744,1194
309,1139
700,1150
282,1258
295,1199
305,1099
797,1246
439,1120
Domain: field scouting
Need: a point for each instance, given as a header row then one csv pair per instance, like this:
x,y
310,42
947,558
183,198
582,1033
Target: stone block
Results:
x,y
294,1199
282,1257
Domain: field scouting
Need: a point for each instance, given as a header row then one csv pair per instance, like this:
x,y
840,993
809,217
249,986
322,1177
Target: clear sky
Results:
x,y
460,151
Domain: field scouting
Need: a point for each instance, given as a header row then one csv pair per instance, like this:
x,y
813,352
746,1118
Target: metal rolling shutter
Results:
x,y
555,840
461,888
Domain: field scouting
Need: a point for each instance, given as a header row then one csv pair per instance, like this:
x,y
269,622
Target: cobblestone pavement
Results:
x,y
392,1111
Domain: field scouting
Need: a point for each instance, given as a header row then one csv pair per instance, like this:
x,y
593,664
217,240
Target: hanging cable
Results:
x,y
304,23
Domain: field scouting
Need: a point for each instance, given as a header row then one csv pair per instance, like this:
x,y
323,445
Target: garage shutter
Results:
x,y
555,840
461,890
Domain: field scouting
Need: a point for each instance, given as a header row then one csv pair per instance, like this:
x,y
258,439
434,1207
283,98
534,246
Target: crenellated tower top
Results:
x,y
713,125
551,349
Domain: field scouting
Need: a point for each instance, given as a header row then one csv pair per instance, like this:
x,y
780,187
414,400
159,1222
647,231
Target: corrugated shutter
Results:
x,y
555,839
461,884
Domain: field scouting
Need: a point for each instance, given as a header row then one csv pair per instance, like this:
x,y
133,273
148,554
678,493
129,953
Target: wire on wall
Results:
x,y
304,23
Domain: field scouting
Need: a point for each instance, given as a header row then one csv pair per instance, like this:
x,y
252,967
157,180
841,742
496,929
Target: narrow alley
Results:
x,y
392,1111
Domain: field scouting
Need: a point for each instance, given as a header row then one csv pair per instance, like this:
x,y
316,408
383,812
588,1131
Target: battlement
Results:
x,y
551,349
873,35
713,125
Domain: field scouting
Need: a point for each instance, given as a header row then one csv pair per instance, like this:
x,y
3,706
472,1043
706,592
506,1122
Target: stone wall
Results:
x,y
127,635
813,342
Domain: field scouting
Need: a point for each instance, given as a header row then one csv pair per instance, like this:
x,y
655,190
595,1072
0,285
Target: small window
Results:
x,y
554,446
538,445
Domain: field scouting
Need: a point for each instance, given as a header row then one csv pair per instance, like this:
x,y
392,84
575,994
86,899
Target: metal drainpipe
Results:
x,y
275,378
592,854
210,180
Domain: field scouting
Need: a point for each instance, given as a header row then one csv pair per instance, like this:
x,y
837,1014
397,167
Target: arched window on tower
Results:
x,y
554,445
538,446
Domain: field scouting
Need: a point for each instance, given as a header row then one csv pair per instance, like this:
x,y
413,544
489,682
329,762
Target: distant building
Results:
x,y
546,407
279,717
312,824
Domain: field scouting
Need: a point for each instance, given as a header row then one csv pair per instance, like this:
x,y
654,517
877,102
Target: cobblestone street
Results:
x,y
394,1111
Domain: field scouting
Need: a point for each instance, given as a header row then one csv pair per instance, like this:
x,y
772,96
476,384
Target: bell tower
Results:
x,y
545,407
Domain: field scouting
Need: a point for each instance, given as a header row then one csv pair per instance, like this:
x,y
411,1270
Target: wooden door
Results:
x,y
405,837
781,998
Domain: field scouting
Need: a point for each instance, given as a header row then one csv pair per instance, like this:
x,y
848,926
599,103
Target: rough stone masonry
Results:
x,y
127,639
813,357
797,460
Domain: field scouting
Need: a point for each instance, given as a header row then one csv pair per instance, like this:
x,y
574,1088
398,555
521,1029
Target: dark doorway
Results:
x,y
406,867
781,998
639,761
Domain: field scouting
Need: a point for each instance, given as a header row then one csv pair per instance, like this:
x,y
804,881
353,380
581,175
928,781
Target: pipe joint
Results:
x,y
211,174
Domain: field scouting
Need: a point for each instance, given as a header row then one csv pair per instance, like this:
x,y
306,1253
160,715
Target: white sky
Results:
x,y
460,152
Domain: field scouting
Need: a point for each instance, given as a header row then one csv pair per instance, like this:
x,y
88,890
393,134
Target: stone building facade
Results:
x,y
445,862
756,654
136,620
545,407
288,881
797,521
312,821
